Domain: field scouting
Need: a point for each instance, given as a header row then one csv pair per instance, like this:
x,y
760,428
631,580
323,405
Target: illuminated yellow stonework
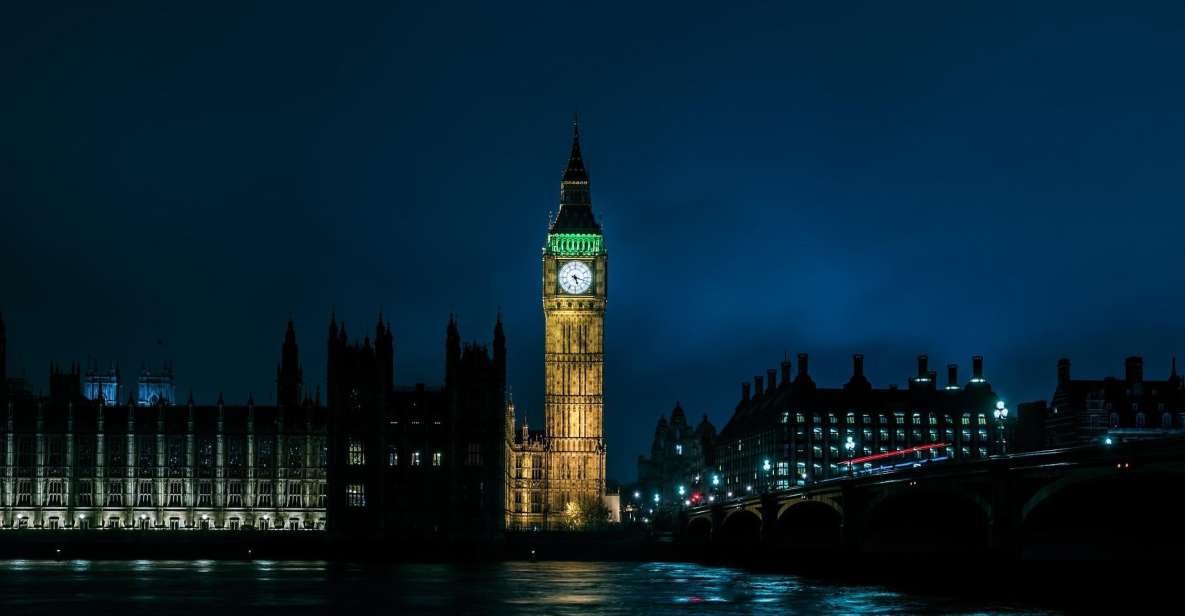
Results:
x,y
555,478
574,369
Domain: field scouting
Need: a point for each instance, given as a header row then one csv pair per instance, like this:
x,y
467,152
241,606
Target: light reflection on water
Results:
x,y
240,587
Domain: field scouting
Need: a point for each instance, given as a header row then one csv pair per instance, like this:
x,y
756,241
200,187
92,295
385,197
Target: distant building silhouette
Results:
x,y
680,456
418,462
1087,410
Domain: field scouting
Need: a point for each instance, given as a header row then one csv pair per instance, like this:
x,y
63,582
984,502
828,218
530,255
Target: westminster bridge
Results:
x,y
1099,500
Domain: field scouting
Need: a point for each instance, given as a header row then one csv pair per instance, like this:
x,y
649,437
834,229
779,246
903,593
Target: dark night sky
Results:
x,y
890,178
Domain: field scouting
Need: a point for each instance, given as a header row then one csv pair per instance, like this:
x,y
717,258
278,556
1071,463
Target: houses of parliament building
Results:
x,y
372,460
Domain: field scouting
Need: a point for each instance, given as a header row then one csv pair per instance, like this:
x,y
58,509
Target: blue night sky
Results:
x,y
948,178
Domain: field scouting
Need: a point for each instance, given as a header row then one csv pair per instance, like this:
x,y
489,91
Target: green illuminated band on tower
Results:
x,y
575,244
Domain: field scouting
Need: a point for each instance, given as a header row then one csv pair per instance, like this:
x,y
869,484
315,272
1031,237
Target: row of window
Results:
x,y
1166,421
145,495
175,450
174,523
899,418
536,504
356,455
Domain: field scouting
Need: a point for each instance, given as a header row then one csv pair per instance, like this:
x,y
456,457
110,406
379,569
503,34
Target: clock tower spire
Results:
x,y
575,268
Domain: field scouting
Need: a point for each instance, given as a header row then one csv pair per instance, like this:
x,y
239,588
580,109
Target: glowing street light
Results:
x,y
1001,414
850,445
682,491
715,480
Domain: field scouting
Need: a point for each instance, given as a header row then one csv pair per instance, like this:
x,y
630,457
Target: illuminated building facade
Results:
x,y
377,461
571,447
69,461
791,432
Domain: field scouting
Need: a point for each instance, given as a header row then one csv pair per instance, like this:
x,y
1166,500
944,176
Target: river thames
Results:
x,y
252,587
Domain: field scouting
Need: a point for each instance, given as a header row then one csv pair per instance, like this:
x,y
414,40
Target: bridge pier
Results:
x,y
1005,512
769,519
852,519
717,522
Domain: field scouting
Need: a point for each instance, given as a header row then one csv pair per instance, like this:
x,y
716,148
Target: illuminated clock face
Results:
x,y
575,277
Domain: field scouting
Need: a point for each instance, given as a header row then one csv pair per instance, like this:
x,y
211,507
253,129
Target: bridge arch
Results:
x,y
741,526
920,518
795,502
809,523
699,528
1106,512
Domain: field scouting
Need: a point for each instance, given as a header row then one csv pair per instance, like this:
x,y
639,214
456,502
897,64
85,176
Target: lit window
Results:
x,y
114,494
392,456
679,450
356,495
175,494
145,495
437,458
295,495
357,455
415,458
264,496
54,497
234,494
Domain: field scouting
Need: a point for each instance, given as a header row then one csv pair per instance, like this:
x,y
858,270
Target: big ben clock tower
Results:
x,y
575,280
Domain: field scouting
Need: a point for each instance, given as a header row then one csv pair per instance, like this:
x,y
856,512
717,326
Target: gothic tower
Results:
x,y
289,376
574,295
3,362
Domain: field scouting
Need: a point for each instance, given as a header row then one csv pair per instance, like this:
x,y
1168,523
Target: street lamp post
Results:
x,y
850,445
1001,414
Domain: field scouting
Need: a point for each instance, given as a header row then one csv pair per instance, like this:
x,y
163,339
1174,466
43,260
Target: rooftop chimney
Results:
x,y
802,364
757,387
977,368
857,366
922,365
786,369
1133,368
1063,370
952,376
744,392
772,375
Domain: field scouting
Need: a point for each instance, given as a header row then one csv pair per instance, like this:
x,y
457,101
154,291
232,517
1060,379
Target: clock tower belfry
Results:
x,y
575,281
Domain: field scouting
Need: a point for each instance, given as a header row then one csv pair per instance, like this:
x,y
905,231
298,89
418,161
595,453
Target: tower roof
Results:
x,y
576,215
575,171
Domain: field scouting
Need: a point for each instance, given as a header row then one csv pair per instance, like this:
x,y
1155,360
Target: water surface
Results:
x,y
225,588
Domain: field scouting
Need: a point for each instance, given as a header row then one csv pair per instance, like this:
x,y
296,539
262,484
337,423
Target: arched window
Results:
x,y
1114,420
1140,420
1166,421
